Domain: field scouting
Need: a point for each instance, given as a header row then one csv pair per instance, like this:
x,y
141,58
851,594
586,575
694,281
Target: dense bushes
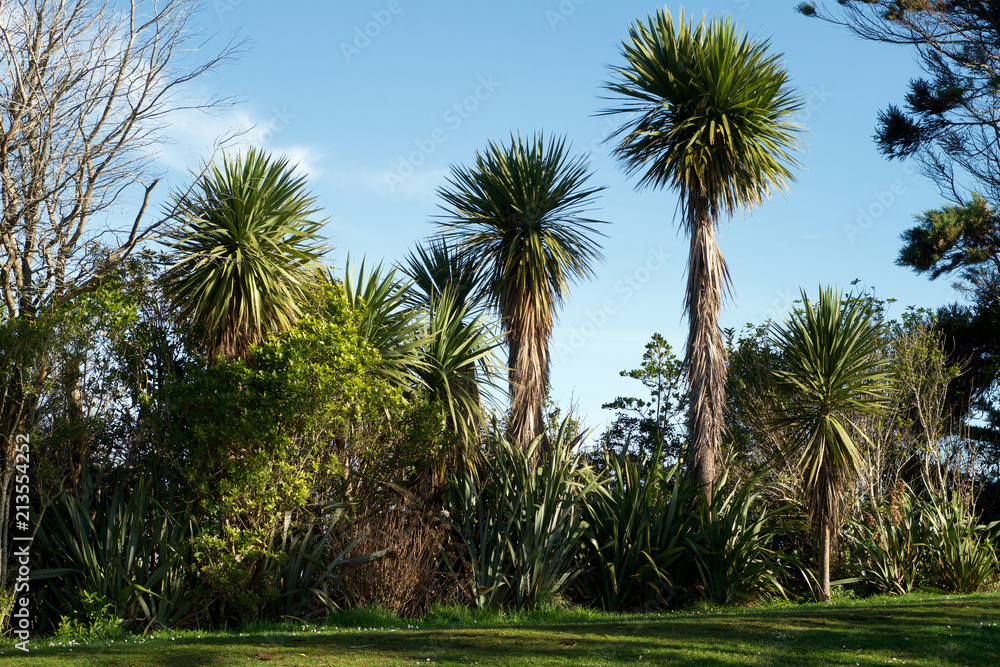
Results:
x,y
638,526
313,474
224,504
637,537
294,481
524,525
126,550
265,442
927,542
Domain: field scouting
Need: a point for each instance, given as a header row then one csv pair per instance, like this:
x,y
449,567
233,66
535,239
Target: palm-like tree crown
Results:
x,y
711,113
436,350
245,246
388,322
460,353
833,366
518,213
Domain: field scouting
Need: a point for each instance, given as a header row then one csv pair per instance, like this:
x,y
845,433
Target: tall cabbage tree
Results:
x,y
247,242
517,212
708,114
833,366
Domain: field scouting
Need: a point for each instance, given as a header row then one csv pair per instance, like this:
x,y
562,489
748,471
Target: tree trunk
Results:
x,y
824,560
706,351
529,379
77,430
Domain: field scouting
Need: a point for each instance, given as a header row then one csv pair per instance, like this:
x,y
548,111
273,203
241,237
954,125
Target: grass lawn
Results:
x,y
922,629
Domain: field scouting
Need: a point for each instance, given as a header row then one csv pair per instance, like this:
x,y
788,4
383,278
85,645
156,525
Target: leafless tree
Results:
x,y
87,90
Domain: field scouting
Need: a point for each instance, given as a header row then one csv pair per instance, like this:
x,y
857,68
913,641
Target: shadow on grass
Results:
x,y
915,631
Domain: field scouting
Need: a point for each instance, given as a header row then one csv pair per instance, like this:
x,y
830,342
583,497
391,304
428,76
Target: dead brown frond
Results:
x,y
705,358
407,561
528,332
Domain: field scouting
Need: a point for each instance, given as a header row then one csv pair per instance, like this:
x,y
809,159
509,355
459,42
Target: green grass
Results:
x,y
923,629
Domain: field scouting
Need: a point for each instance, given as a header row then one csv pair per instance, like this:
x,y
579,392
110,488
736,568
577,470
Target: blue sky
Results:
x,y
375,99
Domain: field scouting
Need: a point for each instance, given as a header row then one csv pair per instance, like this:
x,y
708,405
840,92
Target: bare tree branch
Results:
x,y
86,93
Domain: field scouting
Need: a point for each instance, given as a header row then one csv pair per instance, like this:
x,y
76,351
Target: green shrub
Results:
x,y
262,439
888,545
93,618
934,543
637,531
731,550
960,555
131,546
301,571
523,525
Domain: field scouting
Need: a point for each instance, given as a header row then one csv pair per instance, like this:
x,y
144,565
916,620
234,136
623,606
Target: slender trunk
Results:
x,y
529,379
77,444
706,351
824,560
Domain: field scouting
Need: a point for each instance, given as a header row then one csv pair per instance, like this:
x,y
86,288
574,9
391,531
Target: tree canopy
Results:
x,y
950,118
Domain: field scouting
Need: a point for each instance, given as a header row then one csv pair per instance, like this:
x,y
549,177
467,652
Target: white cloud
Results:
x,y
305,158
197,135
